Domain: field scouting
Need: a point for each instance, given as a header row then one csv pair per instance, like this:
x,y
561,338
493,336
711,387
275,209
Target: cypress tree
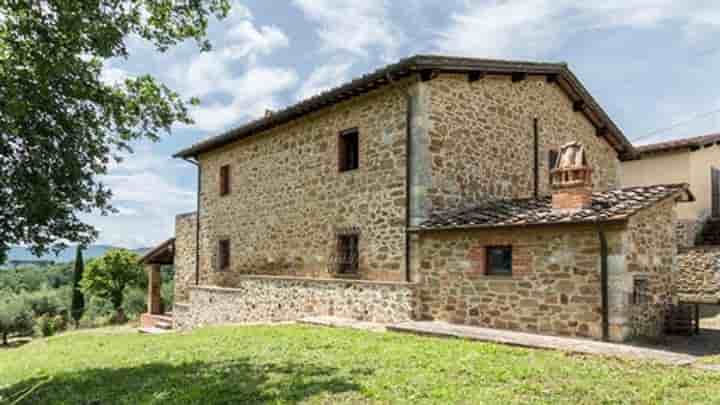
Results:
x,y
78,300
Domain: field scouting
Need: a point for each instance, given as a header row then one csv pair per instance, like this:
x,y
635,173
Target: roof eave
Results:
x,y
404,68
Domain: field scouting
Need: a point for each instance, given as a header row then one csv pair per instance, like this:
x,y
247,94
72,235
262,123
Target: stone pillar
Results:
x,y
153,300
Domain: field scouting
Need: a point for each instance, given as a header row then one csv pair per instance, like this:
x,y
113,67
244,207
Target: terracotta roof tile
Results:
x,y
613,205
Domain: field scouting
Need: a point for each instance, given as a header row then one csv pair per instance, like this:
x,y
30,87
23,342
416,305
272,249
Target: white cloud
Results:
x,y
249,41
324,78
252,93
529,28
354,26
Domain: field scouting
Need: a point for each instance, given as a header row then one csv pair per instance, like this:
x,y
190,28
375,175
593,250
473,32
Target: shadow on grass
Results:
x,y
224,382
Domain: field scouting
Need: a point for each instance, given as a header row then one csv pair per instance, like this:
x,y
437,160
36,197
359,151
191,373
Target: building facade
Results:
x,y
339,205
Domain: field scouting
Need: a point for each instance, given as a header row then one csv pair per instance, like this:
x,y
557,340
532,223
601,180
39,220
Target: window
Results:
x,y
552,160
225,180
348,150
641,291
347,254
498,260
224,255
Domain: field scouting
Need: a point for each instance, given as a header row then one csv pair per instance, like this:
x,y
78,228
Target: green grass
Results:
x,y
298,364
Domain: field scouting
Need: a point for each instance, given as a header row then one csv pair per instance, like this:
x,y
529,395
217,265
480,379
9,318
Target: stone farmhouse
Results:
x,y
695,161
472,191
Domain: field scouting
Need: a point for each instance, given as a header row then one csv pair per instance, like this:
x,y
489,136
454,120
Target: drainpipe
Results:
x,y
197,221
604,282
408,172
536,162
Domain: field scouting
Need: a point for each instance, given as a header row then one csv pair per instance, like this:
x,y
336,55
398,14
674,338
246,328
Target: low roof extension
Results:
x,y
426,66
607,206
691,143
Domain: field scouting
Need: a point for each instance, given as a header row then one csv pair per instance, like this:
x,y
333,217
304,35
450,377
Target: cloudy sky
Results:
x,y
652,64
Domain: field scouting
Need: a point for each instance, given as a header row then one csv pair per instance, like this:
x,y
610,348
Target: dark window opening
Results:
x,y
499,260
552,161
225,180
347,254
641,291
224,255
349,150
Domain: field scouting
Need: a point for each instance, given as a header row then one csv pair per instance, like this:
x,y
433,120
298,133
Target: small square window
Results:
x,y
348,254
224,255
225,180
348,150
641,291
498,260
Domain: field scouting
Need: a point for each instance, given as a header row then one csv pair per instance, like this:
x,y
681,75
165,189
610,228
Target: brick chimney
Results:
x,y
571,179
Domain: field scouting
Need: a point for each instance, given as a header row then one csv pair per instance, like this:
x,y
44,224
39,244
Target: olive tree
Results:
x,y
109,275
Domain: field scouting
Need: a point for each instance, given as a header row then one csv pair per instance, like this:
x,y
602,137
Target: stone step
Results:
x,y
153,331
163,325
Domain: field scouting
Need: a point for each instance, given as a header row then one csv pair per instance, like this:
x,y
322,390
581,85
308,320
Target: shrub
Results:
x,y
48,301
134,302
168,295
15,317
45,326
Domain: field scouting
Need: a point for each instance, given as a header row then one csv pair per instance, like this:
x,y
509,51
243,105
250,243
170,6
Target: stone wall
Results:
x,y
288,197
699,274
554,289
481,138
650,252
687,231
275,299
184,255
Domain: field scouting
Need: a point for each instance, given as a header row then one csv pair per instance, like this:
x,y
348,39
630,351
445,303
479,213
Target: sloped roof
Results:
x,y
695,141
607,206
164,253
429,64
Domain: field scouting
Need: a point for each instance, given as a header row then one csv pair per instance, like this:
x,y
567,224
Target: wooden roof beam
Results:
x,y
518,76
578,105
475,76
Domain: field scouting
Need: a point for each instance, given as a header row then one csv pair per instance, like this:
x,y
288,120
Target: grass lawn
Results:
x,y
301,364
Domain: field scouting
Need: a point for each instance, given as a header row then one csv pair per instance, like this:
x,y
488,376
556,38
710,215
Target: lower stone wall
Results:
x,y
699,275
277,299
554,287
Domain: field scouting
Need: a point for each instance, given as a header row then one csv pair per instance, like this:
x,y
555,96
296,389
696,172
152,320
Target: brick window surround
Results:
x,y
223,255
498,261
348,150
225,180
521,258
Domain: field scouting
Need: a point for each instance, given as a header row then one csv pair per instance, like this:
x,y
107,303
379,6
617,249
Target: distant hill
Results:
x,y
67,255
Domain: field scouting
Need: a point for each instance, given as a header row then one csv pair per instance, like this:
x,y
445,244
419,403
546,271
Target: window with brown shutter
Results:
x,y
225,180
348,150
224,255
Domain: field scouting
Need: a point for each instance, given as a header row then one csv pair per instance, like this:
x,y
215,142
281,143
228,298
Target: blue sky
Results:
x,y
650,63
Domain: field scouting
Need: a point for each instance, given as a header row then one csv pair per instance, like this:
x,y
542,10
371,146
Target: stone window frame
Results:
x,y
224,254
348,160
225,183
489,271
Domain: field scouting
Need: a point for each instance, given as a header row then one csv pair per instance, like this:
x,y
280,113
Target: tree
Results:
x,y
78,300
108,276
15,317
60,124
